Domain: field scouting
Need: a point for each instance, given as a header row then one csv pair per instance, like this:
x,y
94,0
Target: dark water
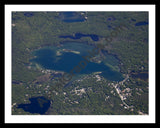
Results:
x,y
71,17
16,82
141,23
133,20
80,35
111,18
38,105
141,75
109,27
67,61
28,14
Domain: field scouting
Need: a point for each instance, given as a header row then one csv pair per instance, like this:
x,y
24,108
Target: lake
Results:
x,y
140,75
141,23
71,16
80,35
68,56
38,105
28,14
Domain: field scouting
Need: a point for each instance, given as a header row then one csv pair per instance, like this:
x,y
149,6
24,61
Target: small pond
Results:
x,y
141,23
141,75
38,105
72,17
28,14
80,35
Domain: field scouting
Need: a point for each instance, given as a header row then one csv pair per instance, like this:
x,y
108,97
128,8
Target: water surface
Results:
x,y
80,35
65,61
140,75
71,17
28,14
38,105
141,23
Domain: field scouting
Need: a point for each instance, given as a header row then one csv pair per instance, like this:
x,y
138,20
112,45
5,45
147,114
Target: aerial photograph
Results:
x,y
80,63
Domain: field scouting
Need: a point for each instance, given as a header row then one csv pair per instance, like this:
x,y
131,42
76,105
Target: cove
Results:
x,y
38,105
48,58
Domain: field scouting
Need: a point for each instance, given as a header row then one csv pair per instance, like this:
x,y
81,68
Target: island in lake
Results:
x,y
60,52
